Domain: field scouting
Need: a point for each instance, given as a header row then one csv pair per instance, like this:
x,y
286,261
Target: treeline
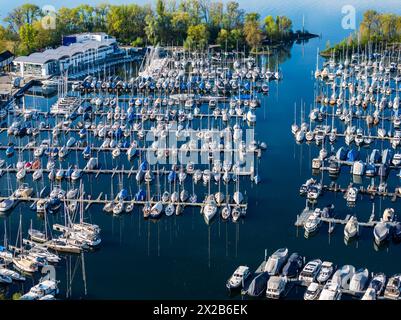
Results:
x,y
192,23
375,28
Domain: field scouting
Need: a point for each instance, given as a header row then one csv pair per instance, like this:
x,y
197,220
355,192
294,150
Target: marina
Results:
x,y
177,161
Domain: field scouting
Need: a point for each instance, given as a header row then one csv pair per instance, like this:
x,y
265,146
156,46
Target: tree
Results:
x,y
284,25
253,34
388,23
27,35
198,37
237,38
234,16
25,14
180,22
215,19
118,26
271,27
223,38
369,25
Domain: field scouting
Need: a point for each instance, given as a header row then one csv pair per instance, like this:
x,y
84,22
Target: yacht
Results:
x,y
226,212
378,283
393,288
312,292
169,210
276,261
13,275
23,191
37,235
156,210
326,271
5,279
351,228
331,291
23,263
238,197
313,222
275,287
238,278
396,161
381,232
359,280
310,271
62,245
358,168
258,285
43,288
343,276
334,168
314,191
219,196
236,213
351,194
293,266
209,209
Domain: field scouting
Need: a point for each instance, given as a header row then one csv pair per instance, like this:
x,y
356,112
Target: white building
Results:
x,y
83,50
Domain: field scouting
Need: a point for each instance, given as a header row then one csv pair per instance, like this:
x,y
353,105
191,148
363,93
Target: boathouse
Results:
x,y
77,52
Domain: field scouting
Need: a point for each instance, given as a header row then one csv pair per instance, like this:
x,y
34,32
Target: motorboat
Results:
x,y
381,232
276,261
236,213
23,191
351,228
388,215
378,283
359,280
45,287
275,287
209,209
312,223
169,210
238,197
331,291
5,279
13,275
313,291
219,196
118,207
258,285
293,266
5,254
238,278
314,191
351,194
156,210
393,287
343,276
7,204
326,271
358,168
303,190
310,271
226,212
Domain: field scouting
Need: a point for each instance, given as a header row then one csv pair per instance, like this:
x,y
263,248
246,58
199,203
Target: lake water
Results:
x,y
180,256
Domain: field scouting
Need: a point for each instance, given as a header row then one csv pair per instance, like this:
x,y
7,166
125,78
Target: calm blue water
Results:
x,y
181,257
